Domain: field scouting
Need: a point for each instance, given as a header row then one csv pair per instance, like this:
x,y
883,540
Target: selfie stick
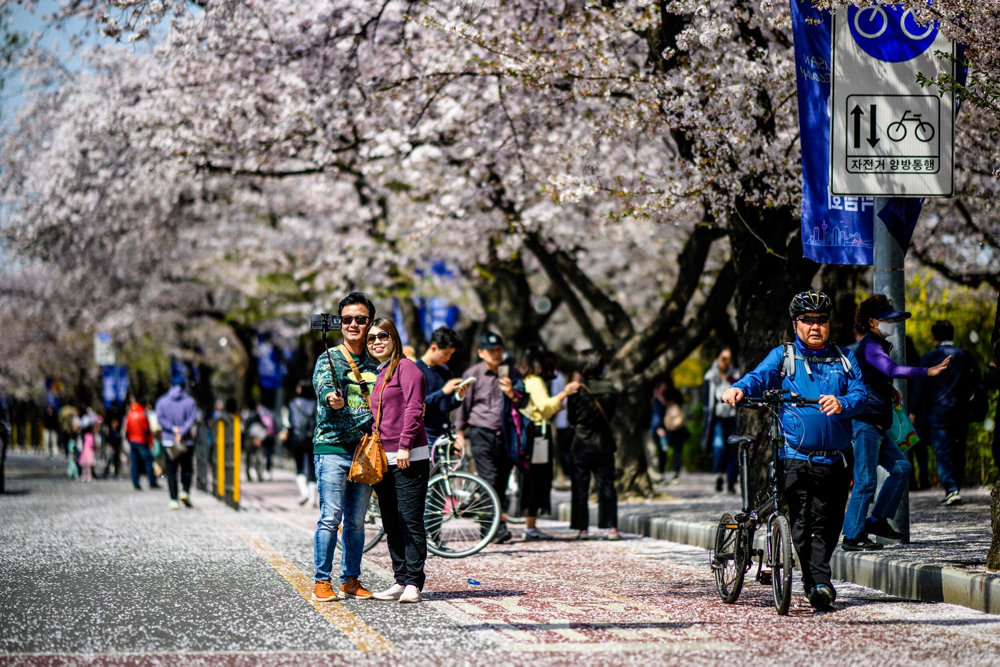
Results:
x,y
329,359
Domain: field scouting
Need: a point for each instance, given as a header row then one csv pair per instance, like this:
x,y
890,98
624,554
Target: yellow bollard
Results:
x,y
237,451
220,459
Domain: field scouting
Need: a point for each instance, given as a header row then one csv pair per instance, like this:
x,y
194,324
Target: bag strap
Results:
x,y
597,403
357,374
378,417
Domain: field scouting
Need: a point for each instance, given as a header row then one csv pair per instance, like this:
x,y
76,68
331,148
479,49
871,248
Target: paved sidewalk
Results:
x,y
944,562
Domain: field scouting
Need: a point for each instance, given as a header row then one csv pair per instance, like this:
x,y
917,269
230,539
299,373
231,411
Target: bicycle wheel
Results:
x,y
729,559
445,453
781,565
462,514
896,131
373,527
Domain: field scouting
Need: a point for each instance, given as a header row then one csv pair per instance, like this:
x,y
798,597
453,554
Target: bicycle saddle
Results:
x,y
741,440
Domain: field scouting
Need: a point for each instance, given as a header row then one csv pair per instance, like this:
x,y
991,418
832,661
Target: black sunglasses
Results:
x,y
381,335
362,320
822,319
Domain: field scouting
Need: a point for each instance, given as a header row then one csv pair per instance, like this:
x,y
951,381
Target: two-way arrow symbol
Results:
x,y
872,125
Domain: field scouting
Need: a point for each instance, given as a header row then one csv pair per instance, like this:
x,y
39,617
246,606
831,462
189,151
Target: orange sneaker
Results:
x,y
354,589
324,592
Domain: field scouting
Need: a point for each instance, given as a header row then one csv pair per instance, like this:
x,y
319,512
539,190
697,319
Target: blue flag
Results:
x,y
835,229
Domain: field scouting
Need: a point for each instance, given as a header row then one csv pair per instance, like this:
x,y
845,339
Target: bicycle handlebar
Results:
x,y
776,397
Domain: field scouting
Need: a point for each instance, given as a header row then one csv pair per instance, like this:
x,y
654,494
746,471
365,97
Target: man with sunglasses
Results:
x,y
342,418
816,460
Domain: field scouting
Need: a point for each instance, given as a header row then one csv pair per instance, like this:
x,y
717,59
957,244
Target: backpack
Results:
x,y
790,357
267,419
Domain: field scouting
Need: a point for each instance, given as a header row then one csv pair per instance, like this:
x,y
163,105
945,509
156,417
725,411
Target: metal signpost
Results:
x,y
889,137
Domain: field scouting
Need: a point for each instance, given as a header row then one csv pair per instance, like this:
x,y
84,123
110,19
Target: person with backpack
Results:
x,y
873,447
814,467
301,425
944,406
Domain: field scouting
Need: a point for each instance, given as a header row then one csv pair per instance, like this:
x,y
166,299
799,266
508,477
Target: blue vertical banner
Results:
x,y
835,230
115,384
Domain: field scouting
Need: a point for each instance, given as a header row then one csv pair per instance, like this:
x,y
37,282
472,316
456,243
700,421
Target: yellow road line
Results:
x,y
360,633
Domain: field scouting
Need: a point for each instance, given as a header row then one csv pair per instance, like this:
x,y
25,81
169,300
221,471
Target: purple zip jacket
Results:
x,y
402,423
176,409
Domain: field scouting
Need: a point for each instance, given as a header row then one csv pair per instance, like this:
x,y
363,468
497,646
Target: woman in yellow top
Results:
x,y
536,482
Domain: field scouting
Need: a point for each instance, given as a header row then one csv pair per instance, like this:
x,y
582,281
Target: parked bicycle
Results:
x,y
462,512
733,553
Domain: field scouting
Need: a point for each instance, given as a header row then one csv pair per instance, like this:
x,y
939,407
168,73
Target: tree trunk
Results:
x,y
770,270
993,556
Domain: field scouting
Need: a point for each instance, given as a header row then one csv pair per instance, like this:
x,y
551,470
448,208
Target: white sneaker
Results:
x,y
394,592
186,499
174,505
410,594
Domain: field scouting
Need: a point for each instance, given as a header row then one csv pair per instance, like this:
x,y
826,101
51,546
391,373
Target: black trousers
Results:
x,y
492,462
186,464
602,466
401,495
817,499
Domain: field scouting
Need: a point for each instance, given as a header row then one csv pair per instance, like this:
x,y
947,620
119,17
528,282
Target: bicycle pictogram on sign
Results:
x,y
922,130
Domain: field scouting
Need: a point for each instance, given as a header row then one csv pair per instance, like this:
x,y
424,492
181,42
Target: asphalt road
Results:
x,y
100,573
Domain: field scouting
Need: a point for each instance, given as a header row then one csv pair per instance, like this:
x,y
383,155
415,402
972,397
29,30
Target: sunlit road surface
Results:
x,y
100,573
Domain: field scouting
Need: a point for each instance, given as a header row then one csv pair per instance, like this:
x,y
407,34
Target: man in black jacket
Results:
x,y
941,403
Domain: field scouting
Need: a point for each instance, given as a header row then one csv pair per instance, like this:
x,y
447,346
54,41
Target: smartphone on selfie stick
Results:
x,y
326,322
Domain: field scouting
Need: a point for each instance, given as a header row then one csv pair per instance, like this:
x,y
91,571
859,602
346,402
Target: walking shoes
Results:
x,y
354,589
391,593
860,544
323,592
410,594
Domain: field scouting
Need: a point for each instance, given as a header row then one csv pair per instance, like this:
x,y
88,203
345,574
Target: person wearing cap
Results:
x,y
176,411
873,447
941,404
815,460
487,421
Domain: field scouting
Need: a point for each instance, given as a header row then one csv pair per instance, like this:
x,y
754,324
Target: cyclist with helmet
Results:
x,y
816,461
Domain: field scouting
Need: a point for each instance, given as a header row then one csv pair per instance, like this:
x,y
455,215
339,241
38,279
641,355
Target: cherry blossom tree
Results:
x,y
635,163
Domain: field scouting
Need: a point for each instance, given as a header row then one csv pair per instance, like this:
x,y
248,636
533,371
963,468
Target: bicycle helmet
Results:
x,y
809,301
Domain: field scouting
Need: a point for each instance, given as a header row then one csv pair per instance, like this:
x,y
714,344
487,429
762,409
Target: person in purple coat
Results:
x,y
176,411
397,401
872,445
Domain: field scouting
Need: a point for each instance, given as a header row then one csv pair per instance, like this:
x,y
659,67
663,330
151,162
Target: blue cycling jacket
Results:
x,y
806,429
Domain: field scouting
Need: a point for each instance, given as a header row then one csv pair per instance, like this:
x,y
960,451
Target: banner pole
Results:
x,y
889,279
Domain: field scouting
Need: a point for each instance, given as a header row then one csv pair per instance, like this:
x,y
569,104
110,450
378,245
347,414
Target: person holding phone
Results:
x,y
536,474
444,393
486,423
342,419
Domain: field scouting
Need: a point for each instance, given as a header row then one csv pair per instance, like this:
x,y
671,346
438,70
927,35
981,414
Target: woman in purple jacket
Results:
x,y
872,445
397,401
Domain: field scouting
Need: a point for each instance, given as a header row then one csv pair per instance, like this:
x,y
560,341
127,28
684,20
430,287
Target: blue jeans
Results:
x,y
874,448
725,457
945,439
339,499
141,456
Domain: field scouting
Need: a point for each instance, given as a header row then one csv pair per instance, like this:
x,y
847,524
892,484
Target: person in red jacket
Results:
x,y
140,440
